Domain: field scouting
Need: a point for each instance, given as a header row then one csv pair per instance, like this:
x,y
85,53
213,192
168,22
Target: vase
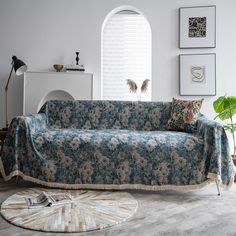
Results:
x,y
77,58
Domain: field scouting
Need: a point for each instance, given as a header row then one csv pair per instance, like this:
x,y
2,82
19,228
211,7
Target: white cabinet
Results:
x,y
40,87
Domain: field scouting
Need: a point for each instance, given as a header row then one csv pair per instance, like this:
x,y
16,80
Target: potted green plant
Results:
x,y
225,107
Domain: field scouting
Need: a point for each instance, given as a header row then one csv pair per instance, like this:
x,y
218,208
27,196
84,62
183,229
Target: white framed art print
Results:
x,y
197,74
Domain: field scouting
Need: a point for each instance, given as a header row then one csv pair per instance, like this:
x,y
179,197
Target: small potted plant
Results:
x,y
225,107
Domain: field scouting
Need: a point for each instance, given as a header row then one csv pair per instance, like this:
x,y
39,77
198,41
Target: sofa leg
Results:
x,y
218,188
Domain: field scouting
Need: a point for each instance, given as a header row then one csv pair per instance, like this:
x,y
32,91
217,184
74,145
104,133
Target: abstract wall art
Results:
x,y
197,27
198,74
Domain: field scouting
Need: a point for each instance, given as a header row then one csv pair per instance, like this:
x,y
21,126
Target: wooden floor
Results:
x,y
198,212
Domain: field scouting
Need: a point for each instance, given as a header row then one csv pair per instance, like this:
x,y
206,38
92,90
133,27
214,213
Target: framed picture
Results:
x,y
197,74
197,27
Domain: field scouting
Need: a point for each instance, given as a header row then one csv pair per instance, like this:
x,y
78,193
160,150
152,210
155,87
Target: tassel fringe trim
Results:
x,y
212,178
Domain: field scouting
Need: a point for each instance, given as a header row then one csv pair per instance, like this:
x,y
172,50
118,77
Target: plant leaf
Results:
x,y
225,106
232,104
219,104
224,115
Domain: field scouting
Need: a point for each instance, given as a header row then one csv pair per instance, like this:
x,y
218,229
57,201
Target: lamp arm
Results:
x,y
6,89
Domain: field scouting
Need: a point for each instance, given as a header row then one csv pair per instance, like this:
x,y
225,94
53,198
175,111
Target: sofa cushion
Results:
x,y
148,116
120,156
184,115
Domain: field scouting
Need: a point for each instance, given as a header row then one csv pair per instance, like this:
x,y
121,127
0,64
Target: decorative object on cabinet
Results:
x,y
75,67
19,68
58,67
198,74
77,58
197,27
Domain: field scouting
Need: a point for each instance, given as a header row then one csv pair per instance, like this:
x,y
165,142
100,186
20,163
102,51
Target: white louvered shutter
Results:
x,y
126,55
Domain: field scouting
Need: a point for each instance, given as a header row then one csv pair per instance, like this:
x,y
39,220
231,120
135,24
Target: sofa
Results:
x,y
114,145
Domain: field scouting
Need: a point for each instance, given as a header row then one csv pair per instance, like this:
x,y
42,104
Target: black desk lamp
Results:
x,y
19,68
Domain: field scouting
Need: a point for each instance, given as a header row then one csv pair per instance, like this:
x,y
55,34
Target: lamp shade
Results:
x,y
19,66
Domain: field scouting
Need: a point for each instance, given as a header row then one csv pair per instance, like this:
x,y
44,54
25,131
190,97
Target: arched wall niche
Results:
x,y
55,95
40,87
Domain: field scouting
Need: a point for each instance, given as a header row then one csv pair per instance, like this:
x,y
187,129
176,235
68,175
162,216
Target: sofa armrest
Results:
x,y
18,141
34,122
219,165
24,126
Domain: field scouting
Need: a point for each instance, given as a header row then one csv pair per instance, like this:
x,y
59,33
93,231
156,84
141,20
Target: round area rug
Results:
x,y
88,210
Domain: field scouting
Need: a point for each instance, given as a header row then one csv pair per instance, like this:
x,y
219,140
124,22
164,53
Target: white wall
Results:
x,y
43,32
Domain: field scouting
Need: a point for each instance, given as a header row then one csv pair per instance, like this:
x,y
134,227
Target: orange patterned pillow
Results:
x,y
184,115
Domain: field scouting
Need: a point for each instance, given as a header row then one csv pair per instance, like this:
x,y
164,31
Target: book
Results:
x,y
47,199
75,67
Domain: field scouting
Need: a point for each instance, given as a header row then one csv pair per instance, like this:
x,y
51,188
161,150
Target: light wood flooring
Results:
x,y
198,212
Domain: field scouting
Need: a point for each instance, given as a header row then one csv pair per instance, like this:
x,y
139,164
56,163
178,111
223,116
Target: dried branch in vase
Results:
x,y
144,86
132,86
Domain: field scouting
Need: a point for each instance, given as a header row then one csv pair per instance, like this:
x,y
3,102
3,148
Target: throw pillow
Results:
x,y
184,115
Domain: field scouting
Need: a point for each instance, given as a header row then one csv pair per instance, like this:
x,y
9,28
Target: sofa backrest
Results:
x,y
107,114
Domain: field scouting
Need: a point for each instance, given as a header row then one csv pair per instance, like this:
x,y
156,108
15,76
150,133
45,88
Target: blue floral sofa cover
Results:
x,y
114,145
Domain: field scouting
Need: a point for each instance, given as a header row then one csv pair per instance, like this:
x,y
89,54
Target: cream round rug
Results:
x,y
89,210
